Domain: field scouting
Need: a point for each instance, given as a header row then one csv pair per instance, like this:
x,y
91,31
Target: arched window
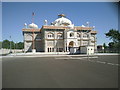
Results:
x,y
71,34
78,35
48,50
92,38
85,35
60,35
52,49
50,35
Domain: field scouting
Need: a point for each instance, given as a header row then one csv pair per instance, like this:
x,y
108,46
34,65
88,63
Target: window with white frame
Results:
x,y
50,35
50,49
59,35
71,34
78,35
85,36
92,38
59,49
85,42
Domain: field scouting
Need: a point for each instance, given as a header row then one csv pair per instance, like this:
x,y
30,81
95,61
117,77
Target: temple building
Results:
x,y
60,36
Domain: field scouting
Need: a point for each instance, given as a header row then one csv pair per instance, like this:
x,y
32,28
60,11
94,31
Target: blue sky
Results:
x,y
102,15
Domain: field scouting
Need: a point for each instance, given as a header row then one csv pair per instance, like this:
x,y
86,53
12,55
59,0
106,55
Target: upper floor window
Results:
x,y
50,35
85,43
78,35
85,36
71,34
59,35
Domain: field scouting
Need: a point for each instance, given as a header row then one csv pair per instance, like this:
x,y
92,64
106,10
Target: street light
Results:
x,y
10,45
16,47
88,23
94,27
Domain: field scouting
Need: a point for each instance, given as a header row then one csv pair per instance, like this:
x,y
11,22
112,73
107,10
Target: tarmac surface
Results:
x,y
60,72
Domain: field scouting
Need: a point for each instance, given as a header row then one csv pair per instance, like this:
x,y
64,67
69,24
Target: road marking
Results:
x,y
116,64
74,58
110,63
100,62
83,58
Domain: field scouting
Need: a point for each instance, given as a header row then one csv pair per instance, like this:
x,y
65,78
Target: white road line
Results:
x,y
116,64
75,58
101,62
107,63
82,58
110,63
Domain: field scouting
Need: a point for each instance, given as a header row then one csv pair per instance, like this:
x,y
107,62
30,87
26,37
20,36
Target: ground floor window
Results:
x,y
50,49
59,49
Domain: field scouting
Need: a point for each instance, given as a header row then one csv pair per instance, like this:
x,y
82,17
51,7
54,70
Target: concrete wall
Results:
x,y
6,51
87,50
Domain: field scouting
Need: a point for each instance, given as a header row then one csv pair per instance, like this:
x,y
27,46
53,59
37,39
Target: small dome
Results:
x,y
32,25
62,21
82,26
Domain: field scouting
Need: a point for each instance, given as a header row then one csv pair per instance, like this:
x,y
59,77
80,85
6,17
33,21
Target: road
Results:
x,y
60,72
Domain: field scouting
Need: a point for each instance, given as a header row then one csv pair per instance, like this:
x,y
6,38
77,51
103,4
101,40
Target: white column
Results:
x,y
64,40
89,42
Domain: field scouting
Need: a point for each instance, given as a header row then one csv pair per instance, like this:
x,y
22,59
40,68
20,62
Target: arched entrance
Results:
x,y
71,44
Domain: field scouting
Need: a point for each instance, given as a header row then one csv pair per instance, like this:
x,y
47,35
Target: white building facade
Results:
x,y
60,36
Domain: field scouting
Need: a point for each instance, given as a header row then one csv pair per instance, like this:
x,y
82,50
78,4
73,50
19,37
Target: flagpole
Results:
x,y
33,28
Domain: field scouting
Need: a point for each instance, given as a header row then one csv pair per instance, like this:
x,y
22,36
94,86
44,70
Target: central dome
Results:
x,y
62,21
32,25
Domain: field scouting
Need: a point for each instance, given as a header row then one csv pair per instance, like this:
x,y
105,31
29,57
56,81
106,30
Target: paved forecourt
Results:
x,y
98,71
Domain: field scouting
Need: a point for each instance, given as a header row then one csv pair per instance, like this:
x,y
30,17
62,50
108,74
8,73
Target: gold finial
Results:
x,y
61,15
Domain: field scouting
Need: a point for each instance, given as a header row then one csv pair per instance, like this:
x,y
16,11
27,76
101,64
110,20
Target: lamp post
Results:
x,y
88,51
10,44
94,27
57,44
88,23
16,47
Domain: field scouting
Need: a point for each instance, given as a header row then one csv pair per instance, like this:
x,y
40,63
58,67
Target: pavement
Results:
x,y
68,71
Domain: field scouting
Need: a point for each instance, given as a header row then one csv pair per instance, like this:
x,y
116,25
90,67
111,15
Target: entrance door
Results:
x,y
71,44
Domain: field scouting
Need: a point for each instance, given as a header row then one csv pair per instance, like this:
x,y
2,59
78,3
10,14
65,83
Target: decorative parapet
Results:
x,y
30,30
66,27
83,28
95,32
54,27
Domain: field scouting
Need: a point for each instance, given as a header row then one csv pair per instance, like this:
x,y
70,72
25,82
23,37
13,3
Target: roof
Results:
x,y
30,30
54,27
93,32
83,28
59,27
65,27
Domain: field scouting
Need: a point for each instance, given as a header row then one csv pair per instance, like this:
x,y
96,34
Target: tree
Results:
x,y
114,35
0,45
111,44
6,44
20,45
